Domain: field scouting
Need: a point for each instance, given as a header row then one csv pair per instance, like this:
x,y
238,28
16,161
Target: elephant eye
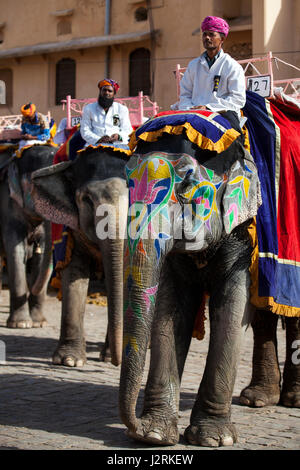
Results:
x,y
183,188
186,183
86,200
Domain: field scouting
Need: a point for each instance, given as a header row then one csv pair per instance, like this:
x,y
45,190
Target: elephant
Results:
x,y
80,194
187,234
265,387
25,237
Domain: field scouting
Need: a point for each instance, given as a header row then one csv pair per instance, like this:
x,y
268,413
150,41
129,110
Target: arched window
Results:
x,y
6,77
65,79
139,72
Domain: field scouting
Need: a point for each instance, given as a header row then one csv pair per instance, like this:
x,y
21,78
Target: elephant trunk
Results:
x,y
45,267
139,303
112,256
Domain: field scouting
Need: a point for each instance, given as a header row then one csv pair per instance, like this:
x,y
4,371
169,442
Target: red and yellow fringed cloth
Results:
x,y
208,130
199,325
108,147
62,245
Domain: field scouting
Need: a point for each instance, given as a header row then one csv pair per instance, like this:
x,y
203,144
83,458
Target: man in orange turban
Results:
x,y
34,126
106,121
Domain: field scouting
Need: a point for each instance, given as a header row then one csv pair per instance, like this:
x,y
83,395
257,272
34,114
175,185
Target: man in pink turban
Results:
x,y
214,23
214,81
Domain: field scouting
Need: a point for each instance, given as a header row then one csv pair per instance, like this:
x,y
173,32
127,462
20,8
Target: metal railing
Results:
x,y
291,86
10,126
140,108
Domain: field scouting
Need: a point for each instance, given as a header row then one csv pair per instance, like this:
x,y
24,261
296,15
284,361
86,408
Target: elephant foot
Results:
x,y
19,324
290,392
258,396
38,320
71,356
105,355
39,324
156,431
211,432
290,398
19,321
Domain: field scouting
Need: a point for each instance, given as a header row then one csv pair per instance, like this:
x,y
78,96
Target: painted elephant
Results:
x,y
189,212
90,196
25,238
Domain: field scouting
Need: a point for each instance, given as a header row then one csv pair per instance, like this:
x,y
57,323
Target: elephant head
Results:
x,y
175,204
90,196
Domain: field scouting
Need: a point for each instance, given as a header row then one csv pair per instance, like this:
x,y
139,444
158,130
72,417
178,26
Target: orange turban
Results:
x,y
109,82
28,109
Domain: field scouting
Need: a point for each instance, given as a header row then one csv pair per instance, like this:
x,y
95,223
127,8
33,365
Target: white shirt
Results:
x,y
60,135
197,84
95,123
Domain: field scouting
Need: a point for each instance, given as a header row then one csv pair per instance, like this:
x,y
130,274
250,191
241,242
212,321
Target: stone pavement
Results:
x,y
47,407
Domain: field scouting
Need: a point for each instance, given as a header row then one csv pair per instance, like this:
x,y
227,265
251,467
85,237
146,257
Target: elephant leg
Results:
x,y
1,274
71,349
290,393
105,355
229,311
264,388
170,340
36,305
19,316
36,302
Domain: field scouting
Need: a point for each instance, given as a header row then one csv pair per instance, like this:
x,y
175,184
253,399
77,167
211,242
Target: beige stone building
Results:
x,y
52,48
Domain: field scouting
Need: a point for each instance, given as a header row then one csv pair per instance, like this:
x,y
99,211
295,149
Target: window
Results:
x,y
139,72
2,92
64,27
141,14
6,76
65,79
240,51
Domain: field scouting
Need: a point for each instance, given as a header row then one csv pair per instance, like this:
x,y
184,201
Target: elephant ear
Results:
x,y
242,196
14,184
54,195
132,163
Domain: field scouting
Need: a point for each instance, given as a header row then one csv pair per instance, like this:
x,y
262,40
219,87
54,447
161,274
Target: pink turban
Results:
x,y
214,23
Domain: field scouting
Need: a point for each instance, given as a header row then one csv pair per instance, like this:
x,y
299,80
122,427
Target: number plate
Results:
x,y
75,120
260,84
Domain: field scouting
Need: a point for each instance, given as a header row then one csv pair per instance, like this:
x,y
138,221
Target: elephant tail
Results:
x,y
45,266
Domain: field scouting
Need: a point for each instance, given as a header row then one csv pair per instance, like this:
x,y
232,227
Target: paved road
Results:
x,y
46,407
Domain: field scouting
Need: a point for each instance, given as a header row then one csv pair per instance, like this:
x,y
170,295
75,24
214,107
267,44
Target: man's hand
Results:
x,y
104,139
114,137
199,107
28,137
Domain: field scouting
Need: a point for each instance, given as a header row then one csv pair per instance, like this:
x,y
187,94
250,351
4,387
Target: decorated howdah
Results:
x,y
208,130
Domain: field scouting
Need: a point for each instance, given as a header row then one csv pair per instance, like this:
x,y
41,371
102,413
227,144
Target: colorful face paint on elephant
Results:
x,y
174,202
161,185
151,186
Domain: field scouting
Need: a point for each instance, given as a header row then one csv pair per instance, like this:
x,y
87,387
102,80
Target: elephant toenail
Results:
x,y
227,441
